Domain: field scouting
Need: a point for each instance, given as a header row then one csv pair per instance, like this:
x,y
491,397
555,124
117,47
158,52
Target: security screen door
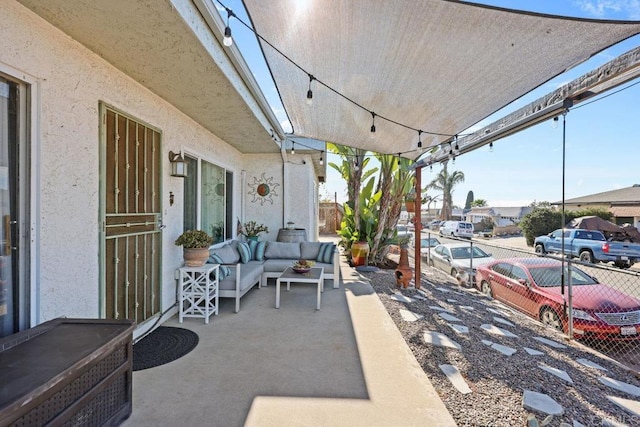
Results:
x,y
131,238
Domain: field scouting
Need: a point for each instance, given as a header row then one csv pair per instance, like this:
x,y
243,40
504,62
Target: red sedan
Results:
x,y
532,285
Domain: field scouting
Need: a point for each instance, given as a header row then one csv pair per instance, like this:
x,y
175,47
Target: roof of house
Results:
x,y
505,212
625,196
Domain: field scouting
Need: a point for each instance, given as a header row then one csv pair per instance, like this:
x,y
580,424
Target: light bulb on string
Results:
x,y
554,122
373,125
227,40
419,139
322,158
430,168
491,147
293,148
457,148
310,92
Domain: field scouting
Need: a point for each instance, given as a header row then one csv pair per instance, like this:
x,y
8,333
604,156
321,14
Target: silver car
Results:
x,y
456,259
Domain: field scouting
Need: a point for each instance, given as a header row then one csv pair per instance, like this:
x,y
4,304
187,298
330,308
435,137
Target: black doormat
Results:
x,y
163,345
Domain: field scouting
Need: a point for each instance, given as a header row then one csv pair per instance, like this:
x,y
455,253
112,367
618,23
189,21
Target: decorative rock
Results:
x,y
507,351
438,308
448,317
401,298
620,386
557,372
410,316
498,331
503,321
487,342
533,352
631,406
578,424
452,301
420,297
540,402
549,342
591,364
444,290
441,340
500,312
467,307
459,328
456,378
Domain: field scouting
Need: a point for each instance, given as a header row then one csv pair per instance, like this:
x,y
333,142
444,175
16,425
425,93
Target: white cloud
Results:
x,y
630,9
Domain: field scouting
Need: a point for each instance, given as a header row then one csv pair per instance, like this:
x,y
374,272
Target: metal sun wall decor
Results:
x,y
263,189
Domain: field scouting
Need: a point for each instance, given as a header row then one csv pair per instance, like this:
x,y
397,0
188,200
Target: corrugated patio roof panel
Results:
x,y
435,65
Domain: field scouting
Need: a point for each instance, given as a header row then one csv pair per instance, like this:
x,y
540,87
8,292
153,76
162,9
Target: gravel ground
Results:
x,y
498,381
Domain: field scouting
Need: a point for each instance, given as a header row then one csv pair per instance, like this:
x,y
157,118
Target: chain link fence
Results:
x,y
596,304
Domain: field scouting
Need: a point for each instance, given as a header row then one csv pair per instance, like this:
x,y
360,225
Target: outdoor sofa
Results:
x,y
246,264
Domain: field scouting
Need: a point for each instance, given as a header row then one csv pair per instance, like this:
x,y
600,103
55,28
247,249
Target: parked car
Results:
x,y
426,243
457,229
457,259
588,245
434,225
532,285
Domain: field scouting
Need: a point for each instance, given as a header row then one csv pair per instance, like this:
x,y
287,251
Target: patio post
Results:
x,y
417,277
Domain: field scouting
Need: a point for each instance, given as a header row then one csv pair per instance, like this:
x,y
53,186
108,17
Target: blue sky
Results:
x,y
602,140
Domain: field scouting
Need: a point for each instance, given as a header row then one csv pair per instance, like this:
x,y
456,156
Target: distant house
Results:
x,y
501,216
623,203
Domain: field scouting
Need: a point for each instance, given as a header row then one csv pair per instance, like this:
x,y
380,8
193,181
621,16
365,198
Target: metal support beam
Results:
x,y
417,275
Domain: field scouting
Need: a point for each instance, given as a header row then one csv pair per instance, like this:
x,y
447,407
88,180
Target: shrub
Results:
x,y
540,221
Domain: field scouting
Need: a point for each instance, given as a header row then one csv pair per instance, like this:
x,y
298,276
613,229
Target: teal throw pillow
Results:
x,y
326,253
257,249
245,252
223,269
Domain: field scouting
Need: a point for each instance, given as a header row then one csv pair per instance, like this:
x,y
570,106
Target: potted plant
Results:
x,y
195,247
410,201
252,230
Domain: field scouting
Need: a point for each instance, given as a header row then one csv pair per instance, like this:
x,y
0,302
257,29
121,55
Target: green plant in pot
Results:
x,y
252,230
195,247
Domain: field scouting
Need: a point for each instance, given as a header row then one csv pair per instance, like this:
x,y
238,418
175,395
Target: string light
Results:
x,y
491,147
373,125
430,168
420,139
321,158
457,148
310,92
293,148
228,41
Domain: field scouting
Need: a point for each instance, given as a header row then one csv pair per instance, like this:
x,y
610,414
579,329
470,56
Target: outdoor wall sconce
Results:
x,y
178,164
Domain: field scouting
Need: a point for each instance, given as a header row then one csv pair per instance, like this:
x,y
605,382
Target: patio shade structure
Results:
x,y
419,71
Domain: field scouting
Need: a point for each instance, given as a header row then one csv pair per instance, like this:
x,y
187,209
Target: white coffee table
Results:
x,y
315,275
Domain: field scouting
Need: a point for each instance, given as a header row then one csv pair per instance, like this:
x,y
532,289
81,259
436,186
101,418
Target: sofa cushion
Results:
x,y
309,250
227,253
325,255
224,271
249,275
245,252
257,250
282,250
277,265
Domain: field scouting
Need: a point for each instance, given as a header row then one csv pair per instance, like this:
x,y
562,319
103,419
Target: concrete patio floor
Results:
x,y
345,365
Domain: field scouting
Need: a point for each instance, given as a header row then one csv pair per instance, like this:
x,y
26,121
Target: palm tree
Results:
x,y
444,182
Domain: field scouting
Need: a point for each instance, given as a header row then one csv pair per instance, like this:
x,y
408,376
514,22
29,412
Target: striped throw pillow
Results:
x,y
245,252
223,269
257,249
326,253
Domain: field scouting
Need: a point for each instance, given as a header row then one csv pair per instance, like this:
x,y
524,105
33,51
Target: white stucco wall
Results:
x,y
71,81
268,209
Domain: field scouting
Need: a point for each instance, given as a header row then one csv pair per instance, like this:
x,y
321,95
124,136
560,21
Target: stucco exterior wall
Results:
x,y
264,170
71,81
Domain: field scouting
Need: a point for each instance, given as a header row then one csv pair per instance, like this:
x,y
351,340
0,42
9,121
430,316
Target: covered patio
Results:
x,y
346,364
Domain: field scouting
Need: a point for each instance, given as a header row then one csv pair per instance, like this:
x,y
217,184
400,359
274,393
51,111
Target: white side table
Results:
x,y
198,291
